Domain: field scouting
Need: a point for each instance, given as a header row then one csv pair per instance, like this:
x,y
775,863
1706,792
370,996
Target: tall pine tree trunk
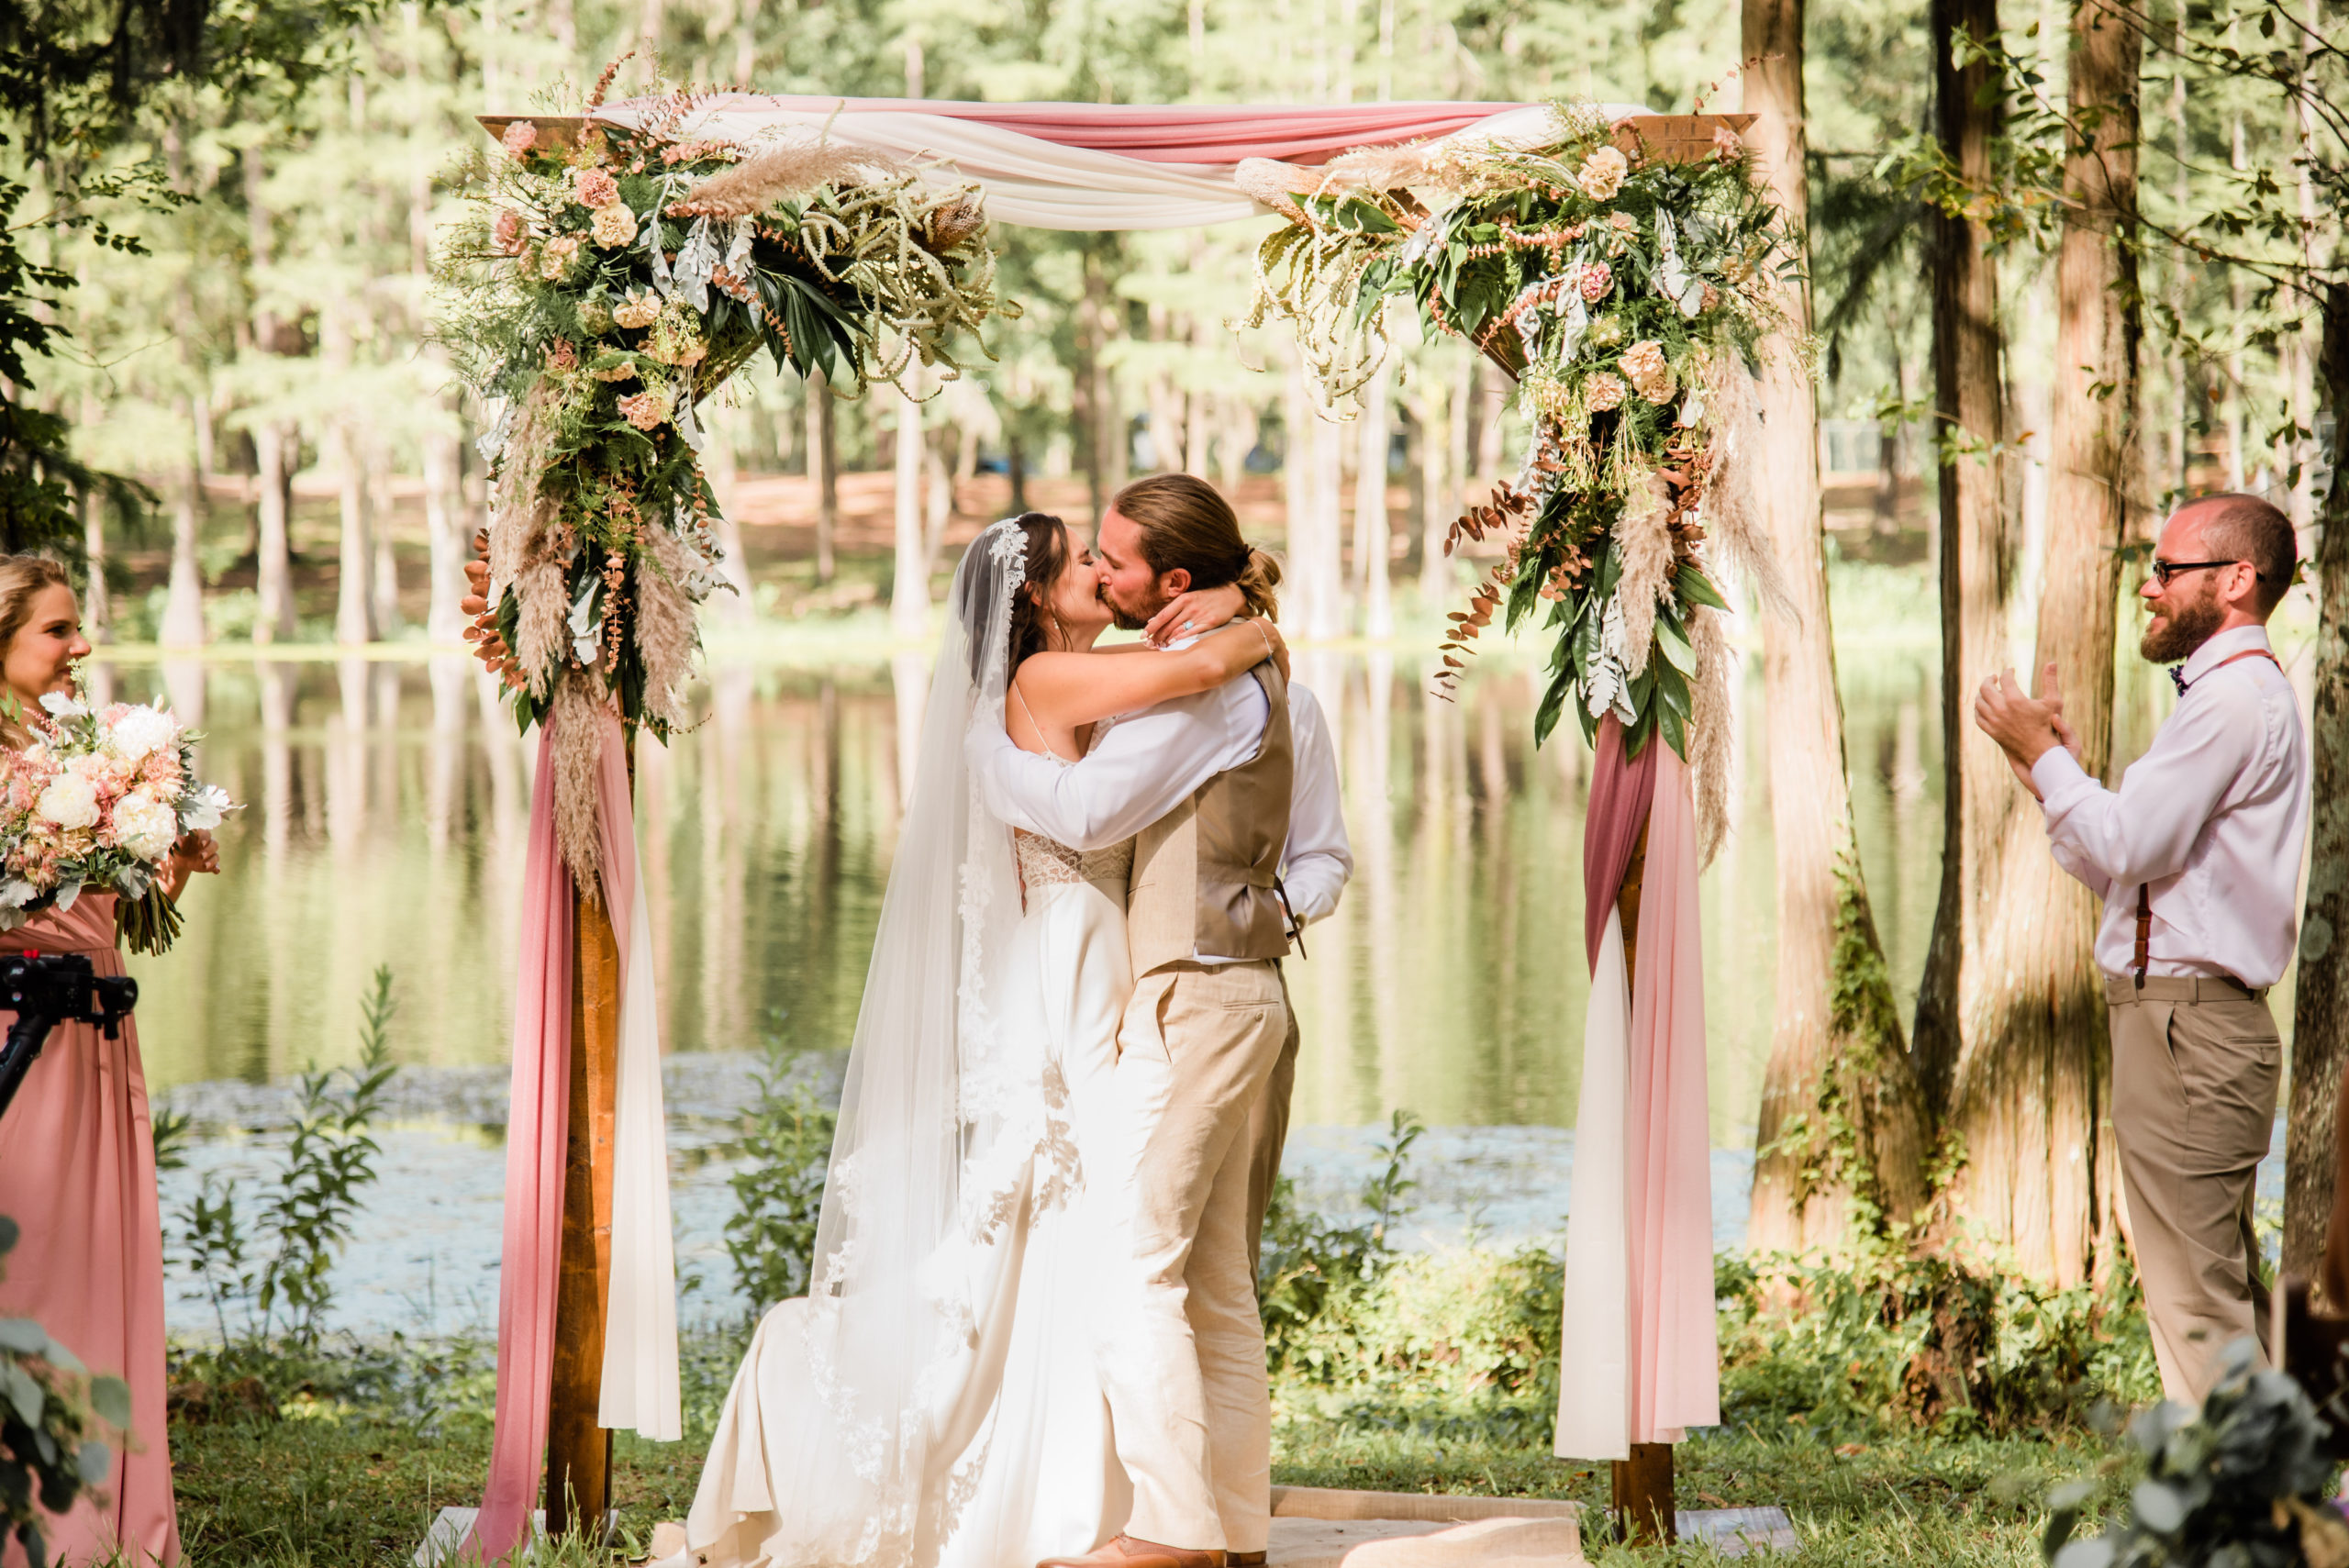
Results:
x,y
2320,1004
910,586
823,470
1837,1038
1977,542
2030,1094
277,443
1374,533
183,599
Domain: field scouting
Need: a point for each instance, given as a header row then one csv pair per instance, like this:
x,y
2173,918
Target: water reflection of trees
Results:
x,y
388,812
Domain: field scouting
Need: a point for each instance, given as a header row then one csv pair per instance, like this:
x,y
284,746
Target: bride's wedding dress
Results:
x,y
933,1402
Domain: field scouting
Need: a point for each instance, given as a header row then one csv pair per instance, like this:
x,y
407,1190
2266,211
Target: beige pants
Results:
x,y
1182,1356
2195,1064
1268,1134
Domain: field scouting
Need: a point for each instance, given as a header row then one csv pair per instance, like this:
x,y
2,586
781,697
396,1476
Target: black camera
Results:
x,y
45,989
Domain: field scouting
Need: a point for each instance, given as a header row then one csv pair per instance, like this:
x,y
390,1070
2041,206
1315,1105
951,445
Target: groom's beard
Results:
x,y
1126,619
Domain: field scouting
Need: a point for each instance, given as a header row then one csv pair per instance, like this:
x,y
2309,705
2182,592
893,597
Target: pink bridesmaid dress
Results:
x,y
77,1174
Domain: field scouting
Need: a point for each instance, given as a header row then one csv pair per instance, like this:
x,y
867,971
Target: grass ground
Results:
x,y
343,1485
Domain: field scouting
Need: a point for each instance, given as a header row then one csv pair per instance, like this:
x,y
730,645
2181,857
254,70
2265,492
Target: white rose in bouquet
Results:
x,y
69,802
141,732
144,826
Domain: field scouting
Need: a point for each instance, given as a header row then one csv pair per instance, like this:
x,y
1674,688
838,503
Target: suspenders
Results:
x,y
2145,890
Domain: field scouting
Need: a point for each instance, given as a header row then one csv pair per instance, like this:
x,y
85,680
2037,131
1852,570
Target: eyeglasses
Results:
x,y
2165,570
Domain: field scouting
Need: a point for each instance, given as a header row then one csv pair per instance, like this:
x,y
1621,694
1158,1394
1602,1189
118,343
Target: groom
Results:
x,y
1205,785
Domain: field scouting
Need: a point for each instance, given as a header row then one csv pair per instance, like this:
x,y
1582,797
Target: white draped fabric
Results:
x,y
1047,177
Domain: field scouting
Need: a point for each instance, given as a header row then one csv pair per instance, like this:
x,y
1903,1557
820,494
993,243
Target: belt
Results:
x,y
2119,989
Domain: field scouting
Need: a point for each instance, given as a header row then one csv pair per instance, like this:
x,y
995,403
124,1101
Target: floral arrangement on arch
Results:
x,y
93,805
1629,291
615,269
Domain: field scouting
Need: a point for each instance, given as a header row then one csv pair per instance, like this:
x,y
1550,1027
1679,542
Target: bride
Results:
x,y
932,1401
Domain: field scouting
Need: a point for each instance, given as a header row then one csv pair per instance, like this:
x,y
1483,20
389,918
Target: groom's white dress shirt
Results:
x,y
2211,817
1149,759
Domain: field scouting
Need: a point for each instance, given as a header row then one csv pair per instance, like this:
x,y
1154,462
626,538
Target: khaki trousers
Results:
x,y
1182,1356
1268,1134
2195,1064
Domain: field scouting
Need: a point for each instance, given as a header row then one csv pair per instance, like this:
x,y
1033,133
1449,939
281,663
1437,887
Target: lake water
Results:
x,y
387,807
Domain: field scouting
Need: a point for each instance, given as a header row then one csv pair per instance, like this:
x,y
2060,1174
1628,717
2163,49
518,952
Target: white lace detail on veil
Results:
x,y
941,1135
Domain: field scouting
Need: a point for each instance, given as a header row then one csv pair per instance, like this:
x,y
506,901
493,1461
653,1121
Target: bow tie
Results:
x,y
2178,678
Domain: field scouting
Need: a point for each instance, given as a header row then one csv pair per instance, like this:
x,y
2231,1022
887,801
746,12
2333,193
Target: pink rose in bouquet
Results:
x,y
95,804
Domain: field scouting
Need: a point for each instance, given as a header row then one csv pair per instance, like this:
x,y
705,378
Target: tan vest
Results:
x,y
1205,874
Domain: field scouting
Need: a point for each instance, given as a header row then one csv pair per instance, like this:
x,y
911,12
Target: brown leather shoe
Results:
x,y
1125,1551
1243,1560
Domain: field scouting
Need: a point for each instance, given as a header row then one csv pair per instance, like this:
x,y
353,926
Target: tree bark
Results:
x,y
1823,1043
1438,438
1975,543
2031,1094
2321,1005
1374,532
277,443
183,599
445,530
910,587
97,605
823,470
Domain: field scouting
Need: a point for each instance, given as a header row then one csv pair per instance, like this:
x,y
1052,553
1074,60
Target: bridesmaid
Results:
x,y
77,1152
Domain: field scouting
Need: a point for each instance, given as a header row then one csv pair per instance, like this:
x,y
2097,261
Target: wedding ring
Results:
x,y
1186,626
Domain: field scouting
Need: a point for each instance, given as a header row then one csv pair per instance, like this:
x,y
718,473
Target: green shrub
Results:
x,y
1892,1339
51,1412
283,1263
779,1195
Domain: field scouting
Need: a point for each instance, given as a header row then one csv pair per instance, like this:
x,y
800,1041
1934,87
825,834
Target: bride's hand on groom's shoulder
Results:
x,y
1192,614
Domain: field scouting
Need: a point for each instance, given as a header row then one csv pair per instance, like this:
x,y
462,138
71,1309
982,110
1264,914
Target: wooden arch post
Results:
x,y
1643,1495
579,1449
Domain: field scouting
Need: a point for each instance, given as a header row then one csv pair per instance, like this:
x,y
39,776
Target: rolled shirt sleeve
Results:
x,y
2145,829
1318,860
1136,774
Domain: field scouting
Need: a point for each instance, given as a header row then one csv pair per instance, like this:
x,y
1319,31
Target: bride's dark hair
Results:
x,y
1047,559
1043,557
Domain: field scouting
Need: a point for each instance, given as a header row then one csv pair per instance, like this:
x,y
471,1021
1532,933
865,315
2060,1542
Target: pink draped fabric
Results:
x,y
1620,791
1675,1351
77,1172
535,1134
1188,133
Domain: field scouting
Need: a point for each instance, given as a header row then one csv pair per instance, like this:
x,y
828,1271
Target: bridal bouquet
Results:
x,y
95,803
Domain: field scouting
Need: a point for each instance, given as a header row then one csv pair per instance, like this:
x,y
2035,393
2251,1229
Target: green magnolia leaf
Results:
x,y
23,1336
1554,702
1697,589
94,1463
8,1234
1674,727
110,1398
1673,643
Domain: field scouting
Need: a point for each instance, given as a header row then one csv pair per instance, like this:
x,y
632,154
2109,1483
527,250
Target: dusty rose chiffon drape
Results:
x,y
77,1174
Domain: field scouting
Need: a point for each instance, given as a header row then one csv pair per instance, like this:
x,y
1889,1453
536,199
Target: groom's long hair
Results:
x,y
1185,523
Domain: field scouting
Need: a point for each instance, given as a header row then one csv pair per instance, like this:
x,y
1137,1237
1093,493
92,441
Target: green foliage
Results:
x,y
52,1414
2240,1483
279,1274
1891,1339
1310,1266
779,1194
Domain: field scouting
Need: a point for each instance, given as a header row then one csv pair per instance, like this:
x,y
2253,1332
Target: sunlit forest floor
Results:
x,y
359,1487
352,1478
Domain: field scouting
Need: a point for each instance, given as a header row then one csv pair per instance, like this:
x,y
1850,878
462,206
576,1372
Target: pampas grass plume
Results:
x,y
1713,740
577,724
1645,544
665,636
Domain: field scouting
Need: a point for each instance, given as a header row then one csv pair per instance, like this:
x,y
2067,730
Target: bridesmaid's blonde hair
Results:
x,y
23,579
